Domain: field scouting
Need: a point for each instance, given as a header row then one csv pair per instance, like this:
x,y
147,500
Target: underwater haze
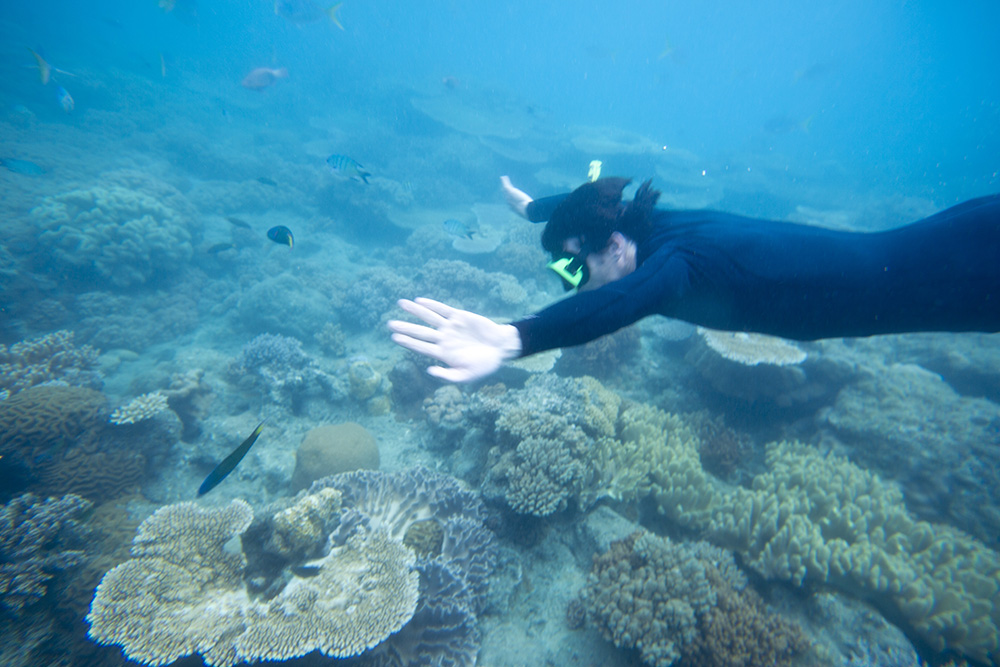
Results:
x,y
210,209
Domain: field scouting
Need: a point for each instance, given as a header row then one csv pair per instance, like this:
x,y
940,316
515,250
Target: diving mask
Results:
x,y
572,269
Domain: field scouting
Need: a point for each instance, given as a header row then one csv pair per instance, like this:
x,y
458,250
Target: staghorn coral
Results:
x,y
647,593
139,409
124,232
182,592
52,357
38,540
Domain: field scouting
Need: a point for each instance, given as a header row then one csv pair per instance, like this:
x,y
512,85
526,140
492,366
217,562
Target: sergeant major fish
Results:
x,y
346,167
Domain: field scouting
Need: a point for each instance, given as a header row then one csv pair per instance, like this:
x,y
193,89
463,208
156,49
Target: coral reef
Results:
x,y
751,349
331,571
134,322
128,231
369,387
647,593
277,366
331,339
681,603
822,519
38,540
139,409
568,439
460,282
59,439
48,358
182,593
282,304
445,412
608,358
332,449
373,295
945,457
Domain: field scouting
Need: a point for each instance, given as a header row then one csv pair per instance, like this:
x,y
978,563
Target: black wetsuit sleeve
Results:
x,y
661,280
540,210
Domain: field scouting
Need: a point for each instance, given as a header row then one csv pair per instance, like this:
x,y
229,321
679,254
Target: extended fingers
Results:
x,y
420,308
418,331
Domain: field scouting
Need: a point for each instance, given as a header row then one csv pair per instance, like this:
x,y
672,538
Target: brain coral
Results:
x,y
182,592
124,231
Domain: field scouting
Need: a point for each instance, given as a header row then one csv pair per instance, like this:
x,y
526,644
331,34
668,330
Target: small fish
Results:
x,y
306,571
229,463
220,247
459,229
163,66
282,235
24,167
262,77
44,69
264,180
236,222
65,99
346,167
306,11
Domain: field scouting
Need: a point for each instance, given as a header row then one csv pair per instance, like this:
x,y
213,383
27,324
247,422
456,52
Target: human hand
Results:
x,y
518,200
471,345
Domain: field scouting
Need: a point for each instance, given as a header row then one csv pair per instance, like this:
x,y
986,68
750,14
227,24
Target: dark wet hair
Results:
x,y
594,211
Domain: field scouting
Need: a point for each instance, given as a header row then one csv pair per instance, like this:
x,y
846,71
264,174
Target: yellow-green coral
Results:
x,y
822,518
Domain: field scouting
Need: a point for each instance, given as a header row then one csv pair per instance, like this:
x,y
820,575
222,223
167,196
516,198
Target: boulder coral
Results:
x,y
333,449
53,356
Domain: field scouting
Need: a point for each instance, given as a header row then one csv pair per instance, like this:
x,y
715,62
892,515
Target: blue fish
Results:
x,y
346,167
282,235
230,462
65,99
459,229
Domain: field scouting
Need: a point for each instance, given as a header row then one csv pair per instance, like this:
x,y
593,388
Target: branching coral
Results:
x,y
38,540
823,519
139,409
47,358
278,365
121,232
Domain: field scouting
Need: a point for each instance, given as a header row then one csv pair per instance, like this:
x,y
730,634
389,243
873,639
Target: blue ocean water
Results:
x,y
141,175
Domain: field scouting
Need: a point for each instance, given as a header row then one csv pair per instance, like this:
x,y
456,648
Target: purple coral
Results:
x,y
36,543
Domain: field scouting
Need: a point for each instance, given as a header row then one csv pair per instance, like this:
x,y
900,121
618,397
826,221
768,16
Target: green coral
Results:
x,y
823,519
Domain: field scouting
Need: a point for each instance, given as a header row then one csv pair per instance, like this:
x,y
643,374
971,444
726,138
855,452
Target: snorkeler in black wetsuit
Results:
x,y
727,272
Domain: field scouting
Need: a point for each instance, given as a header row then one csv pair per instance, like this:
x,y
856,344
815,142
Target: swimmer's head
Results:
x,y
593,211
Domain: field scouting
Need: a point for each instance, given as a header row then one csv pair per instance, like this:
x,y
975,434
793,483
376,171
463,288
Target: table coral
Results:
x,y
182,592
118,232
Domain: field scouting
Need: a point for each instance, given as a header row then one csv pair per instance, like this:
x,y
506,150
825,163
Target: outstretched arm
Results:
x,y
471,345
518,200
